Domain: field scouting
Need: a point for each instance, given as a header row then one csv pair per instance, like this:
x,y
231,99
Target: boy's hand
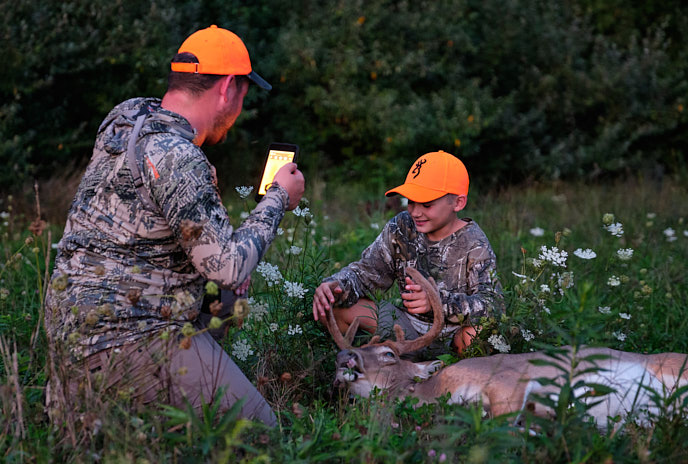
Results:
x,y
415,299
324,298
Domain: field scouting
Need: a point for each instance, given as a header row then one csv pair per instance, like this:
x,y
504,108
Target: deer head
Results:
x,y
380,364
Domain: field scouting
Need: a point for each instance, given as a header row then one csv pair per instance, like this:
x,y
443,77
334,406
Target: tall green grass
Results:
x,y
291,358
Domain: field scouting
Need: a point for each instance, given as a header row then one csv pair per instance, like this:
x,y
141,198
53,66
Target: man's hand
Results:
x,y
415,299
324,298
293,182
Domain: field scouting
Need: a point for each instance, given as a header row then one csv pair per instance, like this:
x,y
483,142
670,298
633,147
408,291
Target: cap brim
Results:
x,y
259,81
416,193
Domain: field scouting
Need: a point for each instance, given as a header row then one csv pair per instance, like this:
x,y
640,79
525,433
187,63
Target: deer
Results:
x,y
611,382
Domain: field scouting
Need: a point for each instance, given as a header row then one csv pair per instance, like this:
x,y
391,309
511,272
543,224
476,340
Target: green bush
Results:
x,y
524,89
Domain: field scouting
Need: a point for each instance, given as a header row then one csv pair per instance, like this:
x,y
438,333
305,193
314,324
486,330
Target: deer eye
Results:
x,y
389,354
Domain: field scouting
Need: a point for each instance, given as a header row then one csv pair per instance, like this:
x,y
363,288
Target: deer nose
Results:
x,y
345,357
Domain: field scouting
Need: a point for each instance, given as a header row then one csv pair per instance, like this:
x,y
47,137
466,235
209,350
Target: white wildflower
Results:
x,y
294,250
545,288
537,232
553,255
294,289
604,309
4,215
243,191
301,212
619,336
527,335
537,263
624,254
685,233
295,329
241,349
613,281
270,273
585,254
273,327
546,310
616,229
499,343
624,316
280,231
258,309
375,226
244,215
651,215
670,234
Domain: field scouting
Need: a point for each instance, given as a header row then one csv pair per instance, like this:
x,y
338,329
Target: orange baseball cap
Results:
x,y
433,175
219,51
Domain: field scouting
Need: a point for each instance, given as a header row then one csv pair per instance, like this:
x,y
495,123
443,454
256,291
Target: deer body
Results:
x,y
506,383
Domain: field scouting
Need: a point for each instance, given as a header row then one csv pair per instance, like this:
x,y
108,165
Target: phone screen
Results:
x,y
278,156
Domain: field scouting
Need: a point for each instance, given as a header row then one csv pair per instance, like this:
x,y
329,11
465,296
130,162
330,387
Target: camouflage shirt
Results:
x,y
126,268
462,264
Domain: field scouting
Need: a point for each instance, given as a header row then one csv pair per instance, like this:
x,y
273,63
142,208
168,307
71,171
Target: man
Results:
x,y
146,231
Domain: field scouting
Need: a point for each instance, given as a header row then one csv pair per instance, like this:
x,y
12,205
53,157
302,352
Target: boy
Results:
x,y
431,238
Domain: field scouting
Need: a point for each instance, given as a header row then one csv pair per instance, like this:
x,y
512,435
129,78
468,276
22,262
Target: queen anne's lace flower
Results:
x,y
537,232
241,349
295,329
301,212
294,289
585,254
270,273
670,234
624,254
553,255
527,335
499,343
604,309
616,229
613,281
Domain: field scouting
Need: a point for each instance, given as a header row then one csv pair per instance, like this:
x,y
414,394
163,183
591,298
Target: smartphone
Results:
x,y
278,155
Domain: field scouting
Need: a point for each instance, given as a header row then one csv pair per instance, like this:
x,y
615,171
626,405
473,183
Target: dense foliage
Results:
x,y
519,89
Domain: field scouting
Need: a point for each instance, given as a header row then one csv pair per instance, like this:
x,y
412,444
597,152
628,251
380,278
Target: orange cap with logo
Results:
x,y
432,176
220,52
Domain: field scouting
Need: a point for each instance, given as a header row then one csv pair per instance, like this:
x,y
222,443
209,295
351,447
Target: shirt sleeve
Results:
x,y
483,294
189,200
374,271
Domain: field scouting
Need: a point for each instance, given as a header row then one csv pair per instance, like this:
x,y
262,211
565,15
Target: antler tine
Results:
x,y
342,342
433,294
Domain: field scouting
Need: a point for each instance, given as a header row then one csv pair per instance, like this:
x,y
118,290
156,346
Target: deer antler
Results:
x,y
343,342
433,294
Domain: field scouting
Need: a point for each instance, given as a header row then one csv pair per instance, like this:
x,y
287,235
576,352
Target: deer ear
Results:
x,y
425,369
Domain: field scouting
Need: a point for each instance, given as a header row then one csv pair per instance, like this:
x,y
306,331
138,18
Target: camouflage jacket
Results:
x,y
463,266
126,268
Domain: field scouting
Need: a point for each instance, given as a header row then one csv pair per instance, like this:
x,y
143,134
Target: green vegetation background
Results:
x,y
519,89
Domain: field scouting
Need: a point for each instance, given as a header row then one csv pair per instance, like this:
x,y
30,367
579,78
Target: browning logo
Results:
x,y
416,169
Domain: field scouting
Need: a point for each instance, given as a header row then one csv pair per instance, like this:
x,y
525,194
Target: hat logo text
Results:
x,y
416,169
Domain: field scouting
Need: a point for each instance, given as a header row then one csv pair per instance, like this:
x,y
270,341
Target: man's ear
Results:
x,y
226,86
460,202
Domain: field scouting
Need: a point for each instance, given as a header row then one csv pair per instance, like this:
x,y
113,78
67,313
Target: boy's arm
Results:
x,y
483,296
374,271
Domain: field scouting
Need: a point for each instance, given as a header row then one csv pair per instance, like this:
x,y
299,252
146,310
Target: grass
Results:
x,y
291,358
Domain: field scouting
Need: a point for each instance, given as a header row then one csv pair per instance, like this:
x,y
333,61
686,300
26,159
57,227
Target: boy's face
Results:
x,y
437,219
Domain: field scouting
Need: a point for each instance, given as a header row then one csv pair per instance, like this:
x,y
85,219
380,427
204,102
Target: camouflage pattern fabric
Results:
x,y
463,266
126,269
